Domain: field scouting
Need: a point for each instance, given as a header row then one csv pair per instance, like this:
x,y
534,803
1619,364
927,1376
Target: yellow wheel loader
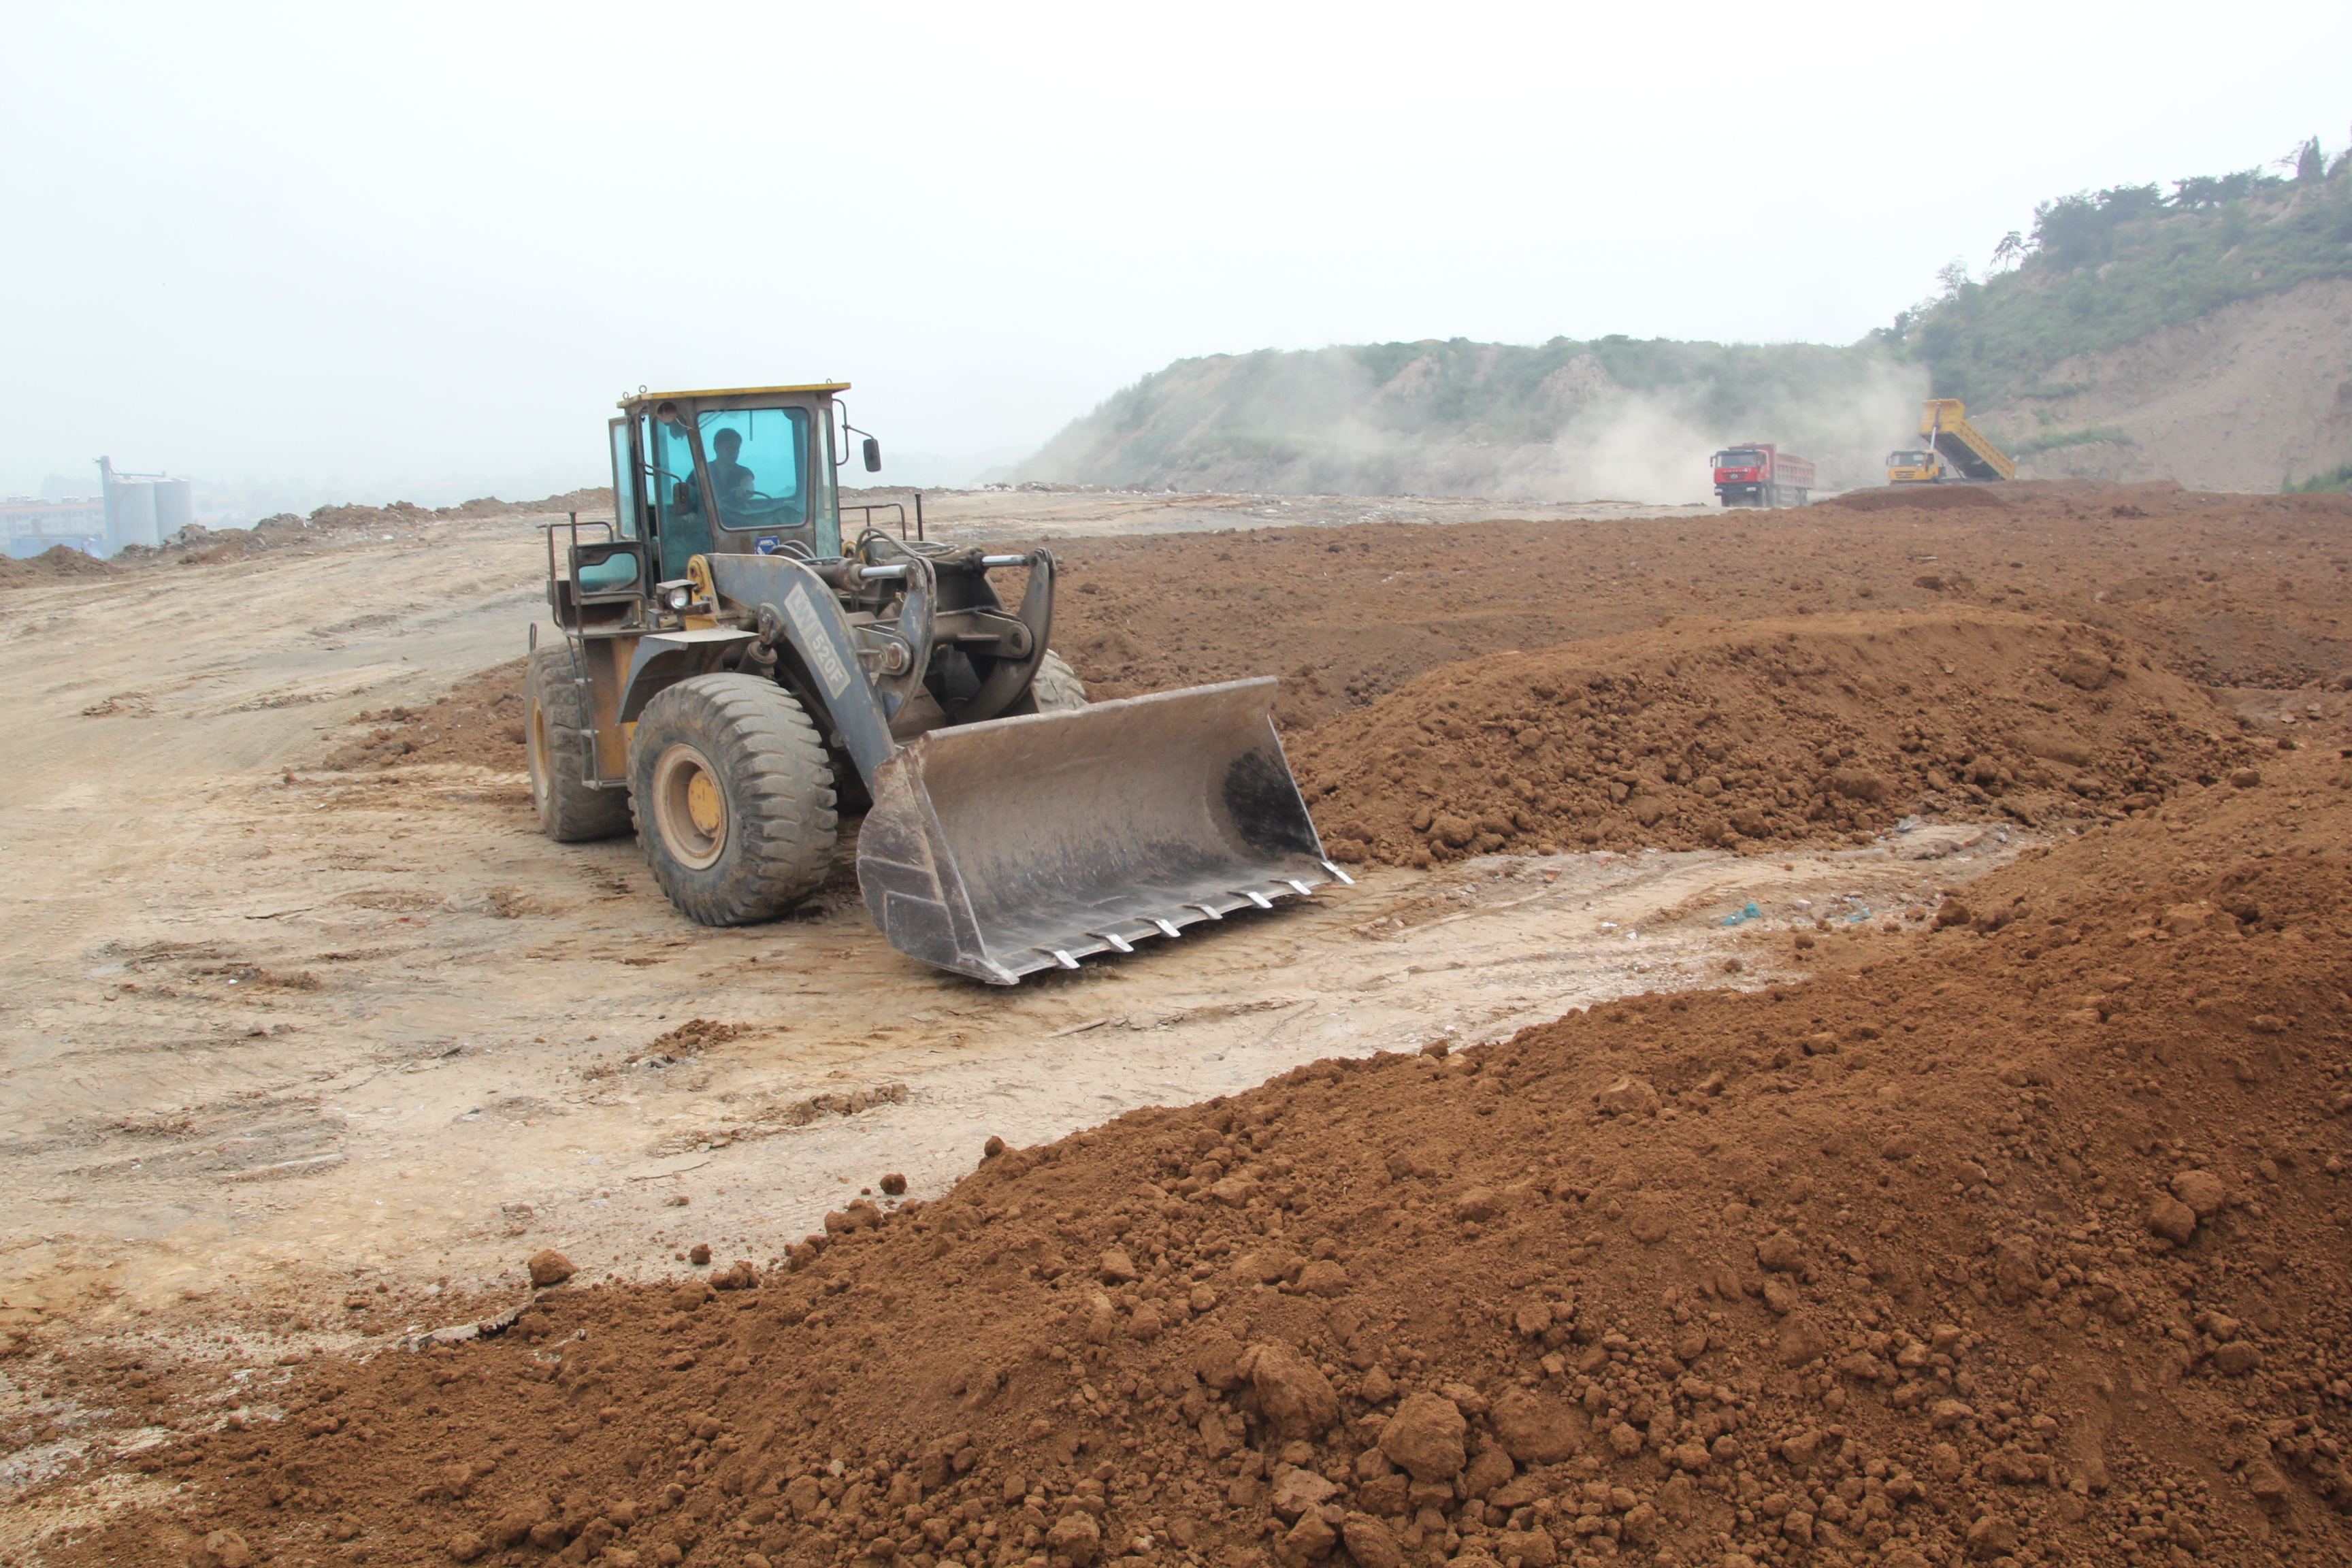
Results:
x,y
729,666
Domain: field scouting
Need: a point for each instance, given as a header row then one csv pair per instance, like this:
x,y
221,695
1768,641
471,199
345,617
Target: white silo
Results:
x,y
175,507
130,516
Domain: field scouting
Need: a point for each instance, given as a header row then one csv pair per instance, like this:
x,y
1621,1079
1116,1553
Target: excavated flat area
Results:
x,y
1948,1171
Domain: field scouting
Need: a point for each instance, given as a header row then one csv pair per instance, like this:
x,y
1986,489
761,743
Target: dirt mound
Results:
x,y
58,561
2018,1241
593,501
1919,498
480,723
2229,590
1768,731
196,545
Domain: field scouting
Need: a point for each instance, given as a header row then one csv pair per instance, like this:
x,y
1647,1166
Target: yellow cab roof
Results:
x,y
735,392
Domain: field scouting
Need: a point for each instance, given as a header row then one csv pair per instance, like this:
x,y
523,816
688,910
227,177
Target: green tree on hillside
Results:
x,y
2100,268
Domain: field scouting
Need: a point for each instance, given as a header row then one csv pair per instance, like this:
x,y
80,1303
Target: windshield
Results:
x,y
1907,459
1745,457
758,466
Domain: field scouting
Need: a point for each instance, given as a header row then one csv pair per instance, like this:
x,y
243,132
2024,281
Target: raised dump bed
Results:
x,y
1944,421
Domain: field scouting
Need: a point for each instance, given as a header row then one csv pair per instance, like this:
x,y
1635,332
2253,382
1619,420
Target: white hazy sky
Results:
x,y
418,249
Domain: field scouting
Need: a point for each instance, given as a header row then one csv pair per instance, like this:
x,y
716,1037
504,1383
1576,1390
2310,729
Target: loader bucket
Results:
x,y
999,848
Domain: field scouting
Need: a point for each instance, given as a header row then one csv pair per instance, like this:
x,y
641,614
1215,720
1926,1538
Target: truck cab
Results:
x,y
1914,465
1759,474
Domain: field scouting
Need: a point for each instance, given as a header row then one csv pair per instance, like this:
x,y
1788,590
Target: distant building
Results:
x,y
29,526
129,509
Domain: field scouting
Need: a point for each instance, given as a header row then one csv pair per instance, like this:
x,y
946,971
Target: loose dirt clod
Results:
x,y
1424,1437
549,1268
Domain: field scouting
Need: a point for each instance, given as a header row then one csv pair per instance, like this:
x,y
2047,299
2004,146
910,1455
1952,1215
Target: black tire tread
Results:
x,y
569,812
1056,687
778,781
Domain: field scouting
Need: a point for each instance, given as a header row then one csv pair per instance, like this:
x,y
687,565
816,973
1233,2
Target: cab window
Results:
x,y
758,467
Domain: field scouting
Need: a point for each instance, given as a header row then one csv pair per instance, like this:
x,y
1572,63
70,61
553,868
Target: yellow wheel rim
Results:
x,y
537,755
689,807
704,805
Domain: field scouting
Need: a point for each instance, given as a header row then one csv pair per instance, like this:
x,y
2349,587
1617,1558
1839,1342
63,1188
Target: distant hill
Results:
x,y
2254,396
2203,335
1612,418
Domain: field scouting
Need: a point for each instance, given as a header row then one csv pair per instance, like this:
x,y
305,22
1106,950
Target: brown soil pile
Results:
x,y
1932,498
58,561
197,545
480,723
2229,590
591,502
2019,1242
1765,731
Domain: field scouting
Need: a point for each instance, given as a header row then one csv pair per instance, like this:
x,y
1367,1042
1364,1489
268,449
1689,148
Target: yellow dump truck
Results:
x,y
1956,451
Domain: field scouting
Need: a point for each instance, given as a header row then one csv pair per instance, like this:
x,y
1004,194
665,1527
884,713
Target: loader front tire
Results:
x,y
734,798
559,740
1054,688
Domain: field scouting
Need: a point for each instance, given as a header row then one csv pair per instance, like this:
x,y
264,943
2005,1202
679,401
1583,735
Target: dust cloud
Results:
x,y
1614,420
1654,446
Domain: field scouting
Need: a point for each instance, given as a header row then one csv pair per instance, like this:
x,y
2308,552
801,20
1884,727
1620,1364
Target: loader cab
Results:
x,y
738,472
747,471
744,471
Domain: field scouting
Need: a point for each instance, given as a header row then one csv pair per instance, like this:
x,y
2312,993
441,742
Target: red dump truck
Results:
x,y
1761,474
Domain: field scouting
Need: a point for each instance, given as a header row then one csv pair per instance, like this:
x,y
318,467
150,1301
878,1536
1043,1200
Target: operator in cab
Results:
x,y
731,481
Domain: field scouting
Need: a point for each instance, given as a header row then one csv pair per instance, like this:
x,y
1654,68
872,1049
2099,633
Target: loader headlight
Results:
x,y
677,596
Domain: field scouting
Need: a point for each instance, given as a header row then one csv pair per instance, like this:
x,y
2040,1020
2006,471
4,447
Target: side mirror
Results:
x,y
873,456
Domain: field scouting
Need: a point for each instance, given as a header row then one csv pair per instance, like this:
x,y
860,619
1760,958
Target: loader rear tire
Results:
x,y
734,798
558,739
1054,688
